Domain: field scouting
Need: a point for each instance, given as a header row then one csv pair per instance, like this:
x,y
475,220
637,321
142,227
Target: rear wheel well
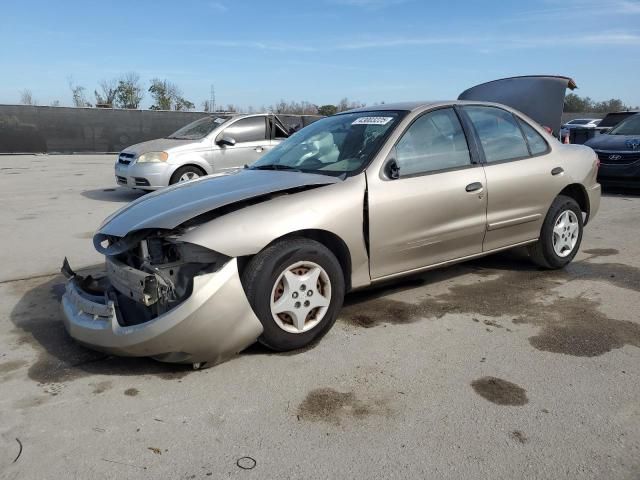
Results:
x,y
328,239
579,194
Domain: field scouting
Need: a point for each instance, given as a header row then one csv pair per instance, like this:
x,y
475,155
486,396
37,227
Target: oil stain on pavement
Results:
x,y
511,286
331,406
500,392
519,437
601,252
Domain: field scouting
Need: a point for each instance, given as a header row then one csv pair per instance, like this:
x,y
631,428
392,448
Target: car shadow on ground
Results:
x,y
115,194
38,323
611,191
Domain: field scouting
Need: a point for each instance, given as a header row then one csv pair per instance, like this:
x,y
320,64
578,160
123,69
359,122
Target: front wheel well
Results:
x,y
192,165
579,194
330,240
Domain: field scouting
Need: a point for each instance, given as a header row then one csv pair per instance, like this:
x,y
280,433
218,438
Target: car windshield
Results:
x,y
336,145
630,126
578,122
200,128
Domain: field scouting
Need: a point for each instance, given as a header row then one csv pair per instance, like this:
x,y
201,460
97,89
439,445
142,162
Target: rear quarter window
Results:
x,y
537,144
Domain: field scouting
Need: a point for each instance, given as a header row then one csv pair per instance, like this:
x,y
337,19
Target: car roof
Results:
x,y
407,106
412,106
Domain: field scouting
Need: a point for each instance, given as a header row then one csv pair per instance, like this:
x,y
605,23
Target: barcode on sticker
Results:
x,y
372,121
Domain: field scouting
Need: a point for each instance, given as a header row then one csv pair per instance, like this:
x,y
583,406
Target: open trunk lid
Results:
x,y
541,97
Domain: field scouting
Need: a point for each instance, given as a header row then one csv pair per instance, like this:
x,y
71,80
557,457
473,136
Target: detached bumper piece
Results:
x,y
209,326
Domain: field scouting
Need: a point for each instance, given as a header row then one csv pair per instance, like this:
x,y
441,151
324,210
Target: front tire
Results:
x,y
560,236
186,173
296,288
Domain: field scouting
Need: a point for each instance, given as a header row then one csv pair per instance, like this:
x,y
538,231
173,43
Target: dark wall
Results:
x,y
30,129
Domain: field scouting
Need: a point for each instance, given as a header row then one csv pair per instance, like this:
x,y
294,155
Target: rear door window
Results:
x,y
251,129
499,134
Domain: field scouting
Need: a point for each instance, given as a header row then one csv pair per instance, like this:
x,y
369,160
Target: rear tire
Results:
x,y
186,173
560,236
296,288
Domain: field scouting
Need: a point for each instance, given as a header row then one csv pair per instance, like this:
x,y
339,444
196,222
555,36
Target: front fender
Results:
x,y
336,208
190,158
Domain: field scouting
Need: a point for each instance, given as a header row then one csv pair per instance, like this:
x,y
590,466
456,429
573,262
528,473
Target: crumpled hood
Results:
x,y
616,143
158,145
172,206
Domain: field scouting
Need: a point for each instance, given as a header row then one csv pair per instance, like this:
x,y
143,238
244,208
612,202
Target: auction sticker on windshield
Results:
x,y
372,121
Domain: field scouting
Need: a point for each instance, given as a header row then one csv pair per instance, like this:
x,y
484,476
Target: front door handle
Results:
x,y
557,171
474,187
259,149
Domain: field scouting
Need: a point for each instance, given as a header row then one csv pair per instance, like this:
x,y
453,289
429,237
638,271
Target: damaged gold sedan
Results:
x,y
199,271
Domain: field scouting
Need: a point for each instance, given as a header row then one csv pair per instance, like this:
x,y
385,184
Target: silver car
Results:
x,y
199,271
212,144
579,123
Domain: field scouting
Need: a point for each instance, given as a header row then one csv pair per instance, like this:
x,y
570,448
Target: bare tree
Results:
x,y
55,103
130,92
77,94
206,106
107,94
299,108
26,97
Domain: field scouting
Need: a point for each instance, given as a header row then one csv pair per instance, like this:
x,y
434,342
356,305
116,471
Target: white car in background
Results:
x,y
579,123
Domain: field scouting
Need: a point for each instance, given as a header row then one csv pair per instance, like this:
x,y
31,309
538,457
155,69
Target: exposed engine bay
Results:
x,y
149,272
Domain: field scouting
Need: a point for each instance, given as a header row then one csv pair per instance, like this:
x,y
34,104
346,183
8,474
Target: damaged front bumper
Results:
x,y
212,324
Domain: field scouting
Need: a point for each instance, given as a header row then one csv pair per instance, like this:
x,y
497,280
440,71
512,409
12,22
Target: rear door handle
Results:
x,y
259,149
557,171
473,187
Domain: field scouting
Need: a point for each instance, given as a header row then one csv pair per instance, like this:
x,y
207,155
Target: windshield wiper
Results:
x,y
275,167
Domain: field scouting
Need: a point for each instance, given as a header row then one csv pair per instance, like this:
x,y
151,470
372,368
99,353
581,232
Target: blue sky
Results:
x,y
257,52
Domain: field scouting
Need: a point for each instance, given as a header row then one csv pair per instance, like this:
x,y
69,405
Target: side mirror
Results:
x,y
226,141
392,170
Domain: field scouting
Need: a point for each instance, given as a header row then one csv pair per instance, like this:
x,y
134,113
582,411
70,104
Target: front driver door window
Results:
x,y
251,139
427,216
434,142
